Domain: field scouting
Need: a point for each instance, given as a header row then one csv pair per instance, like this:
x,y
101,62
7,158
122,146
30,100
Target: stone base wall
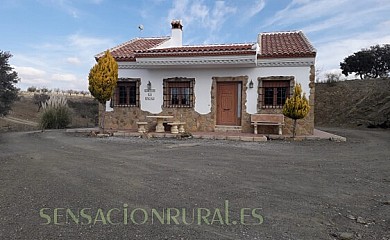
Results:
x,y
125,118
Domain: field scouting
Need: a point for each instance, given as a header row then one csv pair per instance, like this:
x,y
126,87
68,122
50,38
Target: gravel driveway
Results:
x,y
56,185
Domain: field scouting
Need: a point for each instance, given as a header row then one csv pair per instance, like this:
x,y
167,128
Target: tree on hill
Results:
x,y
32,89
8,79
296,107
332,77
368,63
44,90
103,77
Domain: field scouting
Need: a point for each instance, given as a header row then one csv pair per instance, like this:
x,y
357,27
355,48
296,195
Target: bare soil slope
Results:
x,y
25,113
353,103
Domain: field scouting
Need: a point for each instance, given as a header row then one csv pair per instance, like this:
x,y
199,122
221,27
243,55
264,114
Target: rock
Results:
x,y
360,220
387,202
351,217
345,236
337,139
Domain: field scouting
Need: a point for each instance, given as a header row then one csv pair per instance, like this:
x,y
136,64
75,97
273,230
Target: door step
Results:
x,y
224,128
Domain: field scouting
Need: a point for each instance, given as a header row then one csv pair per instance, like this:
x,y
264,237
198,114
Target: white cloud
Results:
x,y
199,11
31,76
348,21
189,11
332,53
64,5
65,77
324,14
73,60
82,42
198,16
66,61
26,59
219,15
51,46
304,11
255,8
29,71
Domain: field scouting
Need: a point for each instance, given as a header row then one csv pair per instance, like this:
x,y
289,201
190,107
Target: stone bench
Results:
x,y
177,127
181,127
267,119
141,127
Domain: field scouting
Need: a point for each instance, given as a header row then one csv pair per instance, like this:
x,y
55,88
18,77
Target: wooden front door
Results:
x,y
227,103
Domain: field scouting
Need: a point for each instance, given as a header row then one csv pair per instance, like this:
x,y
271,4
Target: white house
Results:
x,y
210,87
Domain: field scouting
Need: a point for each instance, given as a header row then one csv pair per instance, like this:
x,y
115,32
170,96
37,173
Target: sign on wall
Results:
x,y
150,91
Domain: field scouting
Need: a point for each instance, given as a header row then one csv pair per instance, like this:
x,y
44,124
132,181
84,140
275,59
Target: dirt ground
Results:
x,y
274,190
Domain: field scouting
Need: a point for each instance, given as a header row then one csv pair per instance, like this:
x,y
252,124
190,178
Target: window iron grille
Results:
x,y
273,94
179,93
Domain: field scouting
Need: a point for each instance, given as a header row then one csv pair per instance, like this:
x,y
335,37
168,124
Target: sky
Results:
x,y
53,42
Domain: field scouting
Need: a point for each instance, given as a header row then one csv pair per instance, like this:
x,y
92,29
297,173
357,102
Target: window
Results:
x,y
274,93
179,92
126,93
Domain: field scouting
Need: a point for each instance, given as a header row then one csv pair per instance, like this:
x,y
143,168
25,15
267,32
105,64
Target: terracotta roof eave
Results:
x,y
132,59
124,59
193,54
303,55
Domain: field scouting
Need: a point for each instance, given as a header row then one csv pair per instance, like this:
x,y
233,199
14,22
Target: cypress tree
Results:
x,y
103,77
296,107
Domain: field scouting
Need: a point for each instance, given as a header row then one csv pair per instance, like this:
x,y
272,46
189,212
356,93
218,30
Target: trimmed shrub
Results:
x,y
56,113
296,107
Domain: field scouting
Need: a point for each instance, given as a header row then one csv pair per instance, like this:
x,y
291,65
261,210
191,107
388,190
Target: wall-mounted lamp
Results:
x,y
251,84
149,85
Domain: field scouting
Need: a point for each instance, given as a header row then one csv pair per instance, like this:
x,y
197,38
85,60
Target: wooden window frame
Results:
x,y
126,93
273,91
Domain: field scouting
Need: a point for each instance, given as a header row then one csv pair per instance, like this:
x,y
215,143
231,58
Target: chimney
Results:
x,y
177,33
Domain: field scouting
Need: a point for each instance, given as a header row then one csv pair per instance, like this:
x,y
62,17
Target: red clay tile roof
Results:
x,y
285,44
272,45
125,51
203,50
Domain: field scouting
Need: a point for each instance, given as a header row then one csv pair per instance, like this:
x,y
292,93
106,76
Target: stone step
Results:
x,y
224,128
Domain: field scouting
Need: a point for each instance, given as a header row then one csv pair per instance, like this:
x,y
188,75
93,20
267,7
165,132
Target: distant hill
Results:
x,y
353,103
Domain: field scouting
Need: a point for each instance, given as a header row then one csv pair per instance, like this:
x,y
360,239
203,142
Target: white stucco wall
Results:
x,y
108,106
203,81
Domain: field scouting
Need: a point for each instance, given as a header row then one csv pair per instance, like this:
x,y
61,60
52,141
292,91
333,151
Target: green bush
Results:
x,y
56,113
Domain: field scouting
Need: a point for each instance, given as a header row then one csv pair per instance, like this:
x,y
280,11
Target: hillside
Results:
x,y
25,116
353,103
